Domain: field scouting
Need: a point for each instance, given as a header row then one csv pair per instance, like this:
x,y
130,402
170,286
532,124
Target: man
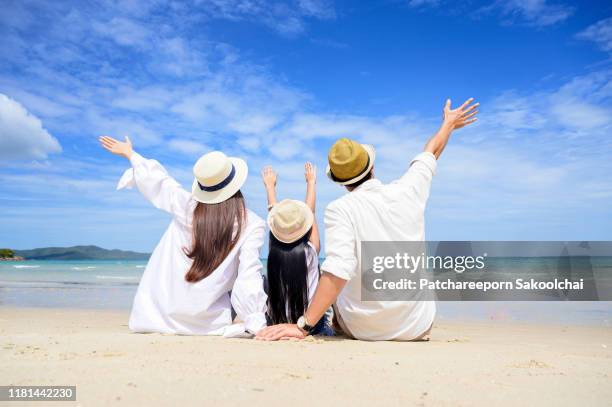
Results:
x,y
372,211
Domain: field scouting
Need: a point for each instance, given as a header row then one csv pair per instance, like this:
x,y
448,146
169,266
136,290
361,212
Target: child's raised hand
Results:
x,y
269,176
122,148
310,172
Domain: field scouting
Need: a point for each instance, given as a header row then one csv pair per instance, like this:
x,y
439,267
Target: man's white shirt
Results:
x,y
379,212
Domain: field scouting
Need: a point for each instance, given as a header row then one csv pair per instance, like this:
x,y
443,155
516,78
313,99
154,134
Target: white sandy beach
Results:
x,y
469,364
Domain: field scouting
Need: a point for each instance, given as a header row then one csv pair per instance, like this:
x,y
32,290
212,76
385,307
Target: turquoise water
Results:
x,y
72,284
112,285
53,273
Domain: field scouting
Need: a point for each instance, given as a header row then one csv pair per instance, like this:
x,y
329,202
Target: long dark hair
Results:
x,y
287,280
214,235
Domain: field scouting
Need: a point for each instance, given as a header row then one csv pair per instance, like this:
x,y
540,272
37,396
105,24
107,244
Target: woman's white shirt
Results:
x,y
164,301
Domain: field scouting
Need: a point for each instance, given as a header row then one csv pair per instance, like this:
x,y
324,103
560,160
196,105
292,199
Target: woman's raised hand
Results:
x,y
122,148
310,172
269,177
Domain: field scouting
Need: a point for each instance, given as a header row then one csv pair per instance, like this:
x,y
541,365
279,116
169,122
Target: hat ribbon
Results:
x,y
221,184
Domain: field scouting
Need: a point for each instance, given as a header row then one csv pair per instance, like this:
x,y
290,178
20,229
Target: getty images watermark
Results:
x,y
486,271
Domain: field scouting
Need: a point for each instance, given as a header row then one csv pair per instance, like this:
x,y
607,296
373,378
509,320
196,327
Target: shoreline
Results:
x,y
444,319
467,363
552,313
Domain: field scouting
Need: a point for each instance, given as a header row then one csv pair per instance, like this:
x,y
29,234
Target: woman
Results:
x,y
293,261
207,261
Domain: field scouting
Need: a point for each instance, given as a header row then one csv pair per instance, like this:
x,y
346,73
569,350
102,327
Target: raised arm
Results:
x,y
152,180
453,119
311,198
269,179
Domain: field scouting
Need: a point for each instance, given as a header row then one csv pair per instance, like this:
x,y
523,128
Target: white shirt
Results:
x,y
165,302
312,263
377,212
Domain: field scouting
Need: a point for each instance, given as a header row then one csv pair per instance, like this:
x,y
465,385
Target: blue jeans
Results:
x,y
323,327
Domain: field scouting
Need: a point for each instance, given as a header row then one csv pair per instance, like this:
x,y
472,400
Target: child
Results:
x,y
293,261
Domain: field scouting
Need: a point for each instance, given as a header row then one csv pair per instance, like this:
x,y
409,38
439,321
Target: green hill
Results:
x,y
80,253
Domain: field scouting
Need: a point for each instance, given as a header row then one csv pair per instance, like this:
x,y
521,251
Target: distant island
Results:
x,y
72,253
8,254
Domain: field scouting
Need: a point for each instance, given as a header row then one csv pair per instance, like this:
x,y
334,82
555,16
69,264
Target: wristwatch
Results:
x,y
303,324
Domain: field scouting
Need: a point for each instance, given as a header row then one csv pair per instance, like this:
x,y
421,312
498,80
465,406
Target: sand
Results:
x,y
468,364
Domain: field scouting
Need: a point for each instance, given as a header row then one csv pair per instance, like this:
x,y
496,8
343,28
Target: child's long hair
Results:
x,y
214,235
287,280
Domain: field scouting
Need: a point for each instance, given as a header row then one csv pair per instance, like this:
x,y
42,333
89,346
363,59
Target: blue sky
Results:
x,y
277,82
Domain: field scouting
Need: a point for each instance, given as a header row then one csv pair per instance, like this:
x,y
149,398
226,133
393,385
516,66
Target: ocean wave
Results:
x,y
140,266
23,266
117,278
83,268
54,285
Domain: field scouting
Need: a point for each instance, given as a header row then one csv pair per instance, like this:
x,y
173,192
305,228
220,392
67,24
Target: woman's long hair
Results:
x,y
214,235
287,280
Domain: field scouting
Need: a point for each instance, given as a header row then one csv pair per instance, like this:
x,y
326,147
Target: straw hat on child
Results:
x,y
289,220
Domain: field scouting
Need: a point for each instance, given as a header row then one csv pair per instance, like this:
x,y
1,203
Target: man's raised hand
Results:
x,y
461,116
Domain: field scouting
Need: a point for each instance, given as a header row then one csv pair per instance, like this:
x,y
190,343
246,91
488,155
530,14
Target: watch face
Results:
x,y
301,322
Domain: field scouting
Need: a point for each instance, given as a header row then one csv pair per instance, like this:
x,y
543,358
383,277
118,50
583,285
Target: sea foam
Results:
x,y
117,278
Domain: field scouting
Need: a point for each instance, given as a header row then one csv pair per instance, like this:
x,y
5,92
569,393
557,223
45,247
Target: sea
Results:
x,y
112,285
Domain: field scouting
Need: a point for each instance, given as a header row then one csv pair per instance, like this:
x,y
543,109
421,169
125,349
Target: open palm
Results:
x,y
310,172
461,116
122,148
269,177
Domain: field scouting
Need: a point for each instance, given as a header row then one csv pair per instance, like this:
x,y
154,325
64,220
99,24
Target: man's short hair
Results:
x,y
367,177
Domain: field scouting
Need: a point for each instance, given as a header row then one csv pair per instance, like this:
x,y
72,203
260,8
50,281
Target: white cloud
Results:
x,y
253,123
22,135
516,112
287,19
584,103
600,33
148,98
124,32
139,131
239,101
580,107
322,9
581,115
188,147
420,3
538,13
39,105
179,57
249,143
